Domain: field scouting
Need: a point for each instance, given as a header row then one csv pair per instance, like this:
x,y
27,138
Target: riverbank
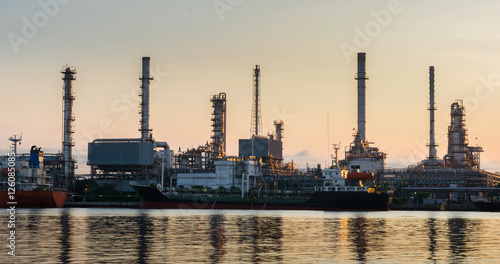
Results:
x,y
86,204
435,207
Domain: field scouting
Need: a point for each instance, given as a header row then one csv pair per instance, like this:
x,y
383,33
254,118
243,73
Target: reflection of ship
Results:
x,y
33,185
332,195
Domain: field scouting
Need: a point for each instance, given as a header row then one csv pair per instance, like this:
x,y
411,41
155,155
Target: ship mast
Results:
x,y
15,140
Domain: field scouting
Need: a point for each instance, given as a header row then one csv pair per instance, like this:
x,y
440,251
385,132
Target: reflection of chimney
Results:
x,y
432,107
361,77
145,130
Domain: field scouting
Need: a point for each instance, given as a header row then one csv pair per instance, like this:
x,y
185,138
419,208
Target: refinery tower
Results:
x,y
360,156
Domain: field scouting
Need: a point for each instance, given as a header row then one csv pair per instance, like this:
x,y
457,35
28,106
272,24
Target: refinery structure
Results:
x,y
260,160
146,160
460,167
360,156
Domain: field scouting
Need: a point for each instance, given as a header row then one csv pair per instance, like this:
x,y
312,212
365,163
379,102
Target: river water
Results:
x,y
229,236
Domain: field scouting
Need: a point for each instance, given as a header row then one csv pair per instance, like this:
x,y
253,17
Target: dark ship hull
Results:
x,y
152,198
488,206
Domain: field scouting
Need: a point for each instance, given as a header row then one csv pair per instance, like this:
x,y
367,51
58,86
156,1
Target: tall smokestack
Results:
x,y
146,78
256,128
432,107
68,97
361,77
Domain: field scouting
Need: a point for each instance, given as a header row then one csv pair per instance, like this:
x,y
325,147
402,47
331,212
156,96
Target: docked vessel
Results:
x,y
29,185
488,206
332,195
34,199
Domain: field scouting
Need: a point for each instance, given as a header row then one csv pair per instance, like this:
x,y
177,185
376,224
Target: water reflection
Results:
x,y
144,231
431,225
64,237
357,232
262,235
158,236
459,230
218,237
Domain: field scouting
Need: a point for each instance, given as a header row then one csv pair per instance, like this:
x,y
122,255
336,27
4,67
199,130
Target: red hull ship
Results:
x,y
27,175
34,199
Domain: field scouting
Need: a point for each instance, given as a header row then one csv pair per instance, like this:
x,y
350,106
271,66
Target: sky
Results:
x,y
307,54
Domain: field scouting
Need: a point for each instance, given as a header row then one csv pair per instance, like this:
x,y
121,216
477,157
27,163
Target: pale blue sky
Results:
x,y
304,71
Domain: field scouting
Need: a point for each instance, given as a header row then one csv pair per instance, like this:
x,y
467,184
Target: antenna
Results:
x,y
328,132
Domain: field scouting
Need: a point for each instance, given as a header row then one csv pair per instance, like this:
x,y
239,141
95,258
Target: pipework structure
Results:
x,y
145,78
68,76
278,124
218,145
256,126
460,154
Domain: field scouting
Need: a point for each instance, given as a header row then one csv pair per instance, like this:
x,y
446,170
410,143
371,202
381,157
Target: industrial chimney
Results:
x,y
256,127
146,78
432,107
68,98
361,77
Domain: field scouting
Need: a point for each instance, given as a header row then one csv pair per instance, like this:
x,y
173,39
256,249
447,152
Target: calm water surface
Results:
x,y
225,236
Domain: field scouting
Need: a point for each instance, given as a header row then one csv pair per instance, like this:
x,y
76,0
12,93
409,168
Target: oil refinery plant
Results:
x,y
260,160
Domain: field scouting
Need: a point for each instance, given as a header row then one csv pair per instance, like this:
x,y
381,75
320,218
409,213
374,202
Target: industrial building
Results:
x,y
141,158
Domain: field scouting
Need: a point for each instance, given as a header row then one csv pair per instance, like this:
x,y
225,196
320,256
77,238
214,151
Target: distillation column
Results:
x,y
432,107
68,118
218,126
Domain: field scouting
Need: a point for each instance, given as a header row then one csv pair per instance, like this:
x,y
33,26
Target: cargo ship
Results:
x,y
26,183
34,199
333,195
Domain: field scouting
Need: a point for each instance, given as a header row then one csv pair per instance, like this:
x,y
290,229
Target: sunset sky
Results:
x,y
307,53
